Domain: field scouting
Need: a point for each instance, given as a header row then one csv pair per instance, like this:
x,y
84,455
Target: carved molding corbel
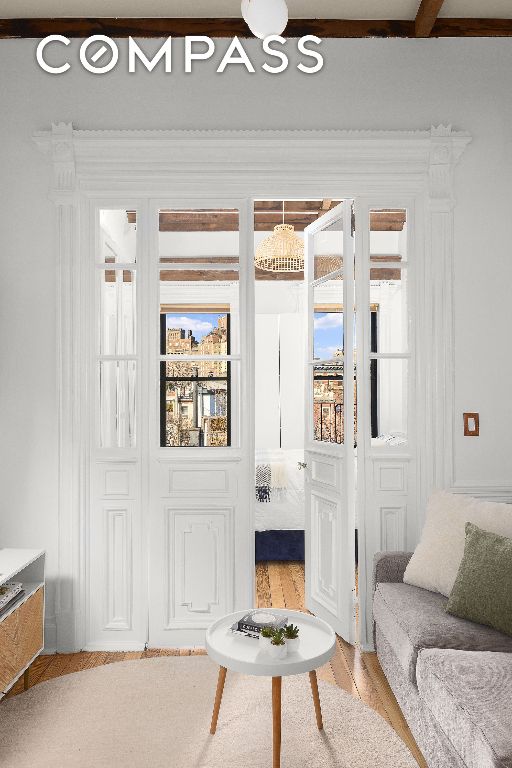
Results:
x,y
446,147
63,163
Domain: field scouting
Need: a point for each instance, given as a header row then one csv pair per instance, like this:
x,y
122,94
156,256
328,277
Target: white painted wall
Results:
x,y
279,389
393,84
266,391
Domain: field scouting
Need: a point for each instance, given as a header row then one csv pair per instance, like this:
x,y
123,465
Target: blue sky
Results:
x,y
328,334
199,323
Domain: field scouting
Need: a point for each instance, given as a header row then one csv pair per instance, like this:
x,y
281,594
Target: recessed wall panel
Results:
x,y
119,568
392,525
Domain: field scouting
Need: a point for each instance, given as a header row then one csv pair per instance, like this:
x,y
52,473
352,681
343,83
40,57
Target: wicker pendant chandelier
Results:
x,y
283,251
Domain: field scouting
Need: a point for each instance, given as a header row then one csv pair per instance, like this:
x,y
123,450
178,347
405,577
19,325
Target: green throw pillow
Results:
x,y
483,588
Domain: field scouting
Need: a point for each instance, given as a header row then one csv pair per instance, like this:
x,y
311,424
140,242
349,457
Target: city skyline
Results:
x,y
200,323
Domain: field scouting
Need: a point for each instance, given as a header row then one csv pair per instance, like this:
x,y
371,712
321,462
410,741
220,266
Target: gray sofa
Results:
x,y
451,677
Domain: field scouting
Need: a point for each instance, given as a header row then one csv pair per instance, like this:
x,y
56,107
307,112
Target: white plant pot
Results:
x,y
278,651
293,644
264,643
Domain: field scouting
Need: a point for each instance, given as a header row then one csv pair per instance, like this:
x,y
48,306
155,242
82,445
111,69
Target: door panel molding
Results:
x,y
325,471
323,581
185,480
392,478
199,548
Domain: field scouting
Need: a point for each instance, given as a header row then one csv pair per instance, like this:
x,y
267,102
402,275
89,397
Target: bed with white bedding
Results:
x,y
279,505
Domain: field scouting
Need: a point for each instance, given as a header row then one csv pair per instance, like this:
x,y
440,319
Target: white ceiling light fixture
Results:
x,y
282,251
265,17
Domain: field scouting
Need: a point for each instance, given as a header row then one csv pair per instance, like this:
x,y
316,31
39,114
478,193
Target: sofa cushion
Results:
x,y
470,696
412,618
437,557
483,588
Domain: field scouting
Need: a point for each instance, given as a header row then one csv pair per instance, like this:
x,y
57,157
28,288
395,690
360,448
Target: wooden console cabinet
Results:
x,y
22,624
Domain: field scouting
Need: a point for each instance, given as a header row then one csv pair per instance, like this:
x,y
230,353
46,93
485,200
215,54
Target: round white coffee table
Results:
x,y
243,654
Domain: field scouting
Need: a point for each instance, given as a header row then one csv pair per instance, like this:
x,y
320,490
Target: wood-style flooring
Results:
x,y
278,585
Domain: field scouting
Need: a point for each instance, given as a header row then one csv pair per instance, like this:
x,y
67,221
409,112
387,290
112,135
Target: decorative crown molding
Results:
x,y
106,155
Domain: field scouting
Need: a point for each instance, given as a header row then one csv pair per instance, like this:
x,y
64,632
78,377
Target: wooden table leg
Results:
x,y
218,698
26,679
276,722
316,699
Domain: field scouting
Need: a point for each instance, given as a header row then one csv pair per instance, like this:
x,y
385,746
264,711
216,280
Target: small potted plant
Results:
x,y
291,636
278,645
265,638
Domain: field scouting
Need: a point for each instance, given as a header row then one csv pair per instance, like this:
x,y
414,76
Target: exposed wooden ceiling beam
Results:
x,y
295,206
426,17
326,259
323,265
265,221
202,276
180,27
472,28
229,27
268,213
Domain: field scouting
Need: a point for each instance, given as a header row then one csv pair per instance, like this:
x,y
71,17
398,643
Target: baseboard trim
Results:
x,y
69,627
111,646
50,635
367,648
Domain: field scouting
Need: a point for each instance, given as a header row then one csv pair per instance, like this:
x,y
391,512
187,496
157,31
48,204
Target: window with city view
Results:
x,y
328,375
194,394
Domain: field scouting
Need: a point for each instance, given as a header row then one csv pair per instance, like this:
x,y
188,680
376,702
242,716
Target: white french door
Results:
x,y
200,446
329,419
170,529
360,433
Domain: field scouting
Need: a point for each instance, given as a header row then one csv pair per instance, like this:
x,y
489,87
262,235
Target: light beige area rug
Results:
x,y
155,713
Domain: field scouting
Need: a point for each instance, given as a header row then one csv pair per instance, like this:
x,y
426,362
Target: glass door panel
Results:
x,y
115,344
389,338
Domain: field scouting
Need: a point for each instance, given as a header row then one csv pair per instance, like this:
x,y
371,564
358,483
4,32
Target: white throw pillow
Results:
x,y
437,557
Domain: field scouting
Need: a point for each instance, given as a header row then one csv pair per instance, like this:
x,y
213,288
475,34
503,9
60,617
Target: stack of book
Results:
x,y
9,593
253,622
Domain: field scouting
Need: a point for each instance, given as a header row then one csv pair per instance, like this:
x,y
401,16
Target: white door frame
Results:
x,y
418,165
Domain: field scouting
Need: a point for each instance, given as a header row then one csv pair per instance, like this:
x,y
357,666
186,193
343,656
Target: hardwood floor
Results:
x,y
280,585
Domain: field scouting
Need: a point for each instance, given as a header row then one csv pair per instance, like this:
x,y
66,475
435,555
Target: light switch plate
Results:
x,y
471,424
